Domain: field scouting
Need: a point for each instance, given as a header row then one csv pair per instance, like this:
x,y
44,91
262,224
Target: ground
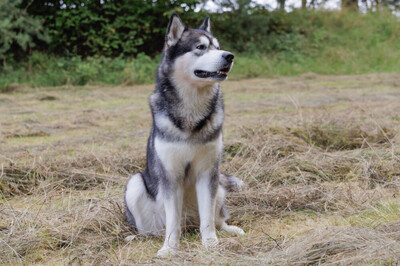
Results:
x,y
320,157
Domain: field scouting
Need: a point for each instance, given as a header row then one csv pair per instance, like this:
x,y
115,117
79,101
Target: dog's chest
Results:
x,y
185,159
190,115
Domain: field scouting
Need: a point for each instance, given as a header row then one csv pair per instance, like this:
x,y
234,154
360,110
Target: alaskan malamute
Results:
x,y
182,186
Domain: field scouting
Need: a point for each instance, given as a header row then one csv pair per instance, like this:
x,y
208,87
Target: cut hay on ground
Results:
x,y
320,159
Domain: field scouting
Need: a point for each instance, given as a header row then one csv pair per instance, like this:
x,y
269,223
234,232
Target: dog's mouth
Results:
x,y
219,74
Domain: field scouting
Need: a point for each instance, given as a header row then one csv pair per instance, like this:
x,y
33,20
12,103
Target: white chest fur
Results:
x,y
176,156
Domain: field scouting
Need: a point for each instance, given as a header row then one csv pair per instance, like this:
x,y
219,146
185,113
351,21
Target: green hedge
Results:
x,y
321,42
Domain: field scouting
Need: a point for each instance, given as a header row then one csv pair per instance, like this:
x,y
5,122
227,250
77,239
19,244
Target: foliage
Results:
x,y
263,31
18,28
326,43
126,28
299,42
140,70
114,28
106,28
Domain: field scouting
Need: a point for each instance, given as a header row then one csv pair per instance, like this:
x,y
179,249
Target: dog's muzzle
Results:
x,y
222,73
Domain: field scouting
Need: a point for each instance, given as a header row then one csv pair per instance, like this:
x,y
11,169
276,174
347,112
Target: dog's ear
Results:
x,y
206,25
174,30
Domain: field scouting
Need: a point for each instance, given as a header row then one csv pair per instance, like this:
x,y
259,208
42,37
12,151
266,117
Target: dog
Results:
x,y
181,186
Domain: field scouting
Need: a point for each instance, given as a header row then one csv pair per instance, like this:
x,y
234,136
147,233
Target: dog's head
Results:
x,y
194,55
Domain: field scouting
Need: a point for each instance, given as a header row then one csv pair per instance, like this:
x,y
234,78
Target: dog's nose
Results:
x,y
228,57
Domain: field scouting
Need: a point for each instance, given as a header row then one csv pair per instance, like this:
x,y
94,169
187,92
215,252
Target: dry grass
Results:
x,y
320,156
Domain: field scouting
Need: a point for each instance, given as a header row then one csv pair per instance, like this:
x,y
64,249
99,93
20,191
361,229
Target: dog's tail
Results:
x,y
230,183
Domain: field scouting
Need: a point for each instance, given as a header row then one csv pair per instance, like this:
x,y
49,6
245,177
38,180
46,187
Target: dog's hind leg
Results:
x,y
129,216
143,213
131,221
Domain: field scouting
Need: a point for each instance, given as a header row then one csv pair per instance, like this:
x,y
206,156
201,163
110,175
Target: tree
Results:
x,y
350,5
233,5
18,29
281,4
303,4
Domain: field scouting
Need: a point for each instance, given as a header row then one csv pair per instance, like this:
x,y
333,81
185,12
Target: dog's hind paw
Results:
x,y
130,238
166,252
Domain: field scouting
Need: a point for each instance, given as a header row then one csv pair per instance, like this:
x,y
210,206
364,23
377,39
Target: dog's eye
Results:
x,y
201,47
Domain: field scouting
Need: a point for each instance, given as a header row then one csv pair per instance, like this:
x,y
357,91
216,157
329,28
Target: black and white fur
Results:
x,y
182,186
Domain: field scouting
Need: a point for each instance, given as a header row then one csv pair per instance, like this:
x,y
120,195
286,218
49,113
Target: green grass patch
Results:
x,y
384,212
46,70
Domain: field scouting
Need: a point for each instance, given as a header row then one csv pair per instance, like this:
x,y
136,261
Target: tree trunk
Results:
x,y
281,4
350,5
303,4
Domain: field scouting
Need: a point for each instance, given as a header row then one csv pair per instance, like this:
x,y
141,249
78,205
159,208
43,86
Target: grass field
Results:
x,y
320,156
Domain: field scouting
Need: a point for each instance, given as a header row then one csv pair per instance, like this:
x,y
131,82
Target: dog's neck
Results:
x,y
195,101
195,96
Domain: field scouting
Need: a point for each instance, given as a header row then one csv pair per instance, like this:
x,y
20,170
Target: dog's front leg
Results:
x,y
206,188
173,211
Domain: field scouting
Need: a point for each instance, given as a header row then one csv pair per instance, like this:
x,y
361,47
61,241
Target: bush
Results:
x,y
111,28
302,41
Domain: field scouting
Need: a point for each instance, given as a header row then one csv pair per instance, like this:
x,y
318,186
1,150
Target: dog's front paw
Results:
x,y
167,251
210,242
